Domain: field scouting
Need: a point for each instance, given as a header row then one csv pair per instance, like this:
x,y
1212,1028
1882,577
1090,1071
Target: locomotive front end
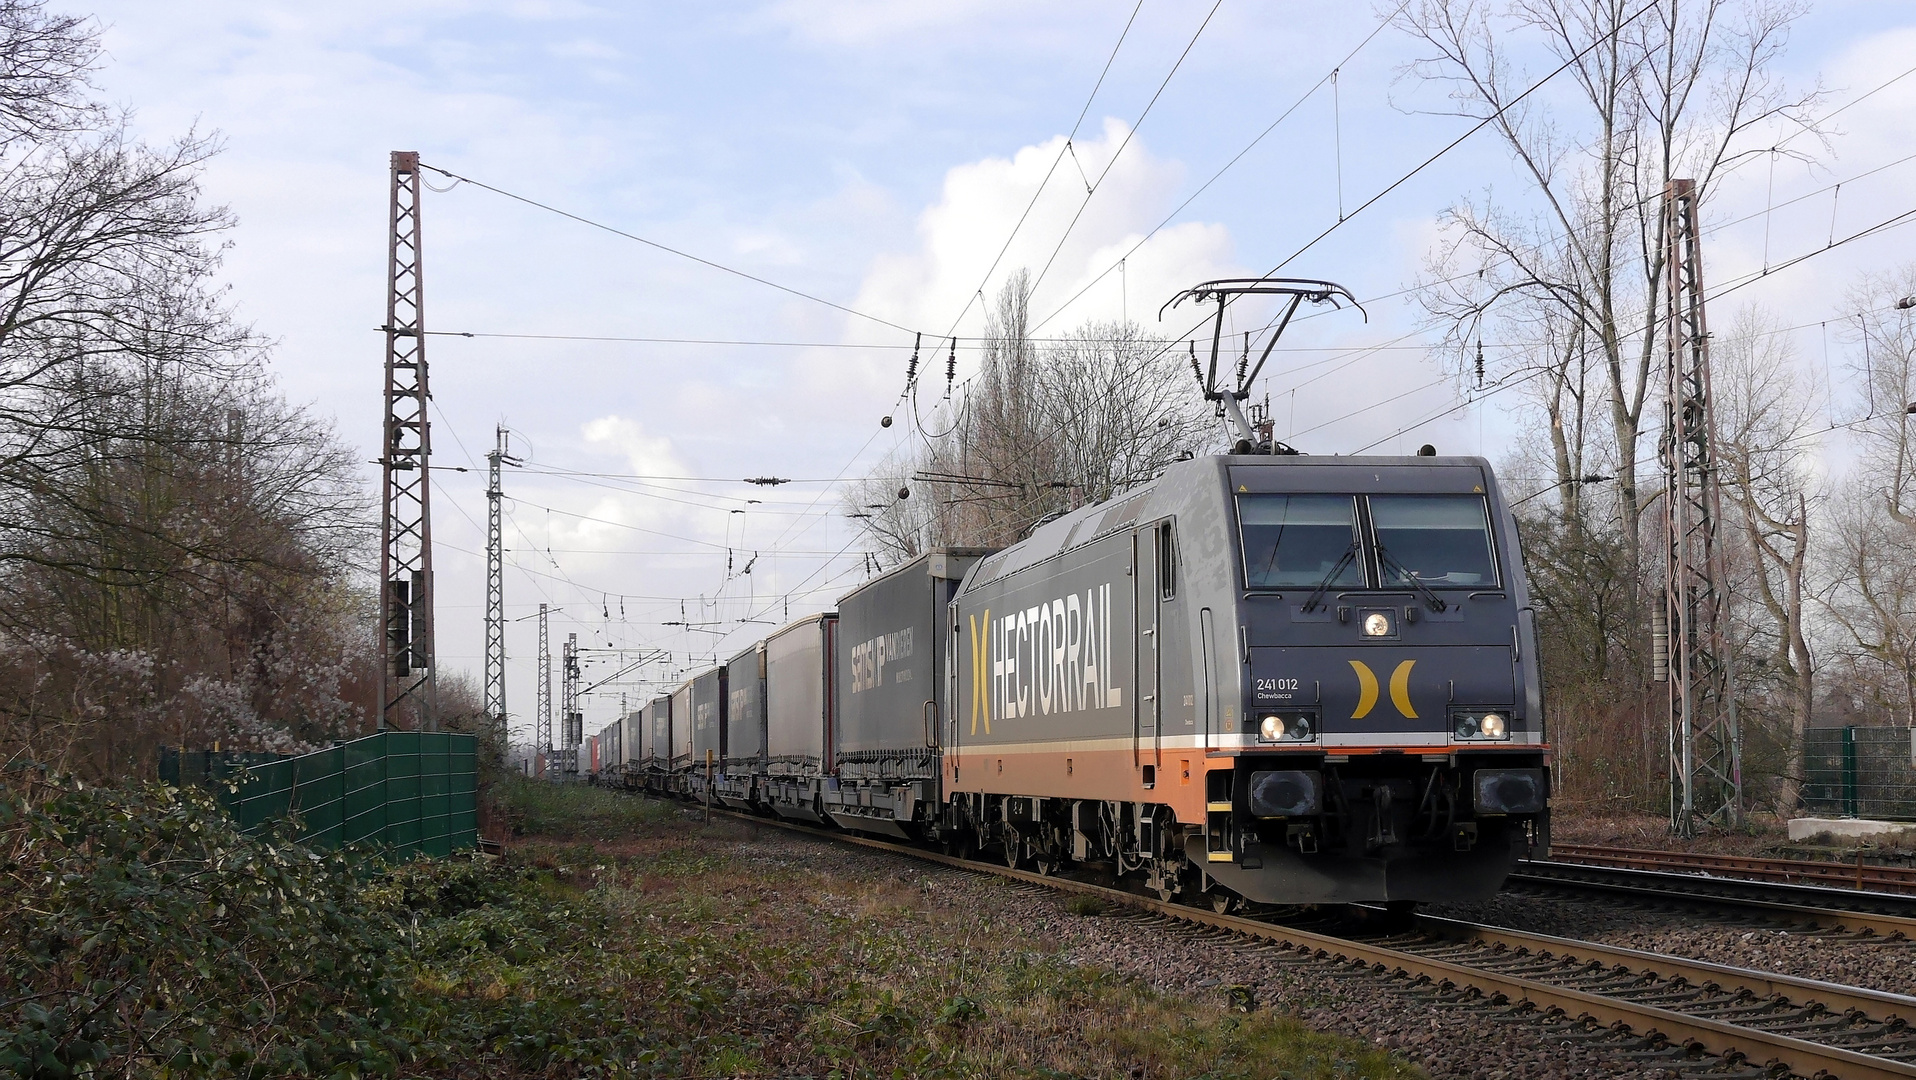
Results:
x,y
1389,745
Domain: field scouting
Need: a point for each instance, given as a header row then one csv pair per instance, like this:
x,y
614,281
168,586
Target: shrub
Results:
x,y
150,935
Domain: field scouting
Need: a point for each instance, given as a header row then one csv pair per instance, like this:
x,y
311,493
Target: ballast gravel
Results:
x,y
1447,1039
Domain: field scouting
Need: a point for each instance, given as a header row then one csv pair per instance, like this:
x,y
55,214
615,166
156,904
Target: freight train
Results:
x,y
1276,679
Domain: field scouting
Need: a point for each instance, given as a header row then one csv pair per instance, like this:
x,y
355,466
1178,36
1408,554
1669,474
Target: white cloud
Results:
x,y
1065,238
645,454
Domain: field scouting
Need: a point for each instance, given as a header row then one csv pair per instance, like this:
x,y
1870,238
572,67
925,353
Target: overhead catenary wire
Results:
x,y
1421,166
1082,113
1119,152
667,248
961,342
1226,167
1895,220
1880,226
1485,121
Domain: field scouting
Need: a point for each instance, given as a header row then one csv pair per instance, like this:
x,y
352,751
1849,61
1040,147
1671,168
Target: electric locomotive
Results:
x,y
1280,679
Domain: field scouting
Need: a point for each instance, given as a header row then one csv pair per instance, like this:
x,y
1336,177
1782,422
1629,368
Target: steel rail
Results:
x,y
1663,886
1875,1004
1727,1040
1858,875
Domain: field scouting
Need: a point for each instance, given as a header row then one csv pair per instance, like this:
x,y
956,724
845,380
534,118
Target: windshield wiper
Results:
x,y
1386,561
1317,594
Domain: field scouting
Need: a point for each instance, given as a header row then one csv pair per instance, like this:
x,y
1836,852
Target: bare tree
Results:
x,y
1767,414
177,543
1871,561
1043,427
1871,567
1575,267
1884,361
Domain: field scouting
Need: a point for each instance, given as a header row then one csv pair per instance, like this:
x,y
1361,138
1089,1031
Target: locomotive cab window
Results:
x,y
1433,540
1300,541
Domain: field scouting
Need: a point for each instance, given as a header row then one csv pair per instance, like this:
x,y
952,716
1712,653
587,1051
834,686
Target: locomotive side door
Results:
x,y
1147,709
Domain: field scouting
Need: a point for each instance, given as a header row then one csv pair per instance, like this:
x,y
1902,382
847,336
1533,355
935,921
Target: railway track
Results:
x,y
1859,875
1665,1008
1889,916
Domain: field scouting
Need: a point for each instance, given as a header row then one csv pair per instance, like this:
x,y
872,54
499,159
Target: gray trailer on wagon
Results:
x,y
744,729
893,637
799,694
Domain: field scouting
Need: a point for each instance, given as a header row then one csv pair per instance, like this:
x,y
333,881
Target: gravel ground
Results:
x,y
1449,1040
1888,966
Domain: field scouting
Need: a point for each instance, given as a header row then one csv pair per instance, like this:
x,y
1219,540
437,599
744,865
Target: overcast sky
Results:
x,y
874,154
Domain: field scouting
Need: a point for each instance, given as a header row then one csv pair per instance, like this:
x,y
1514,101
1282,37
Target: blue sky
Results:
x,y
871,153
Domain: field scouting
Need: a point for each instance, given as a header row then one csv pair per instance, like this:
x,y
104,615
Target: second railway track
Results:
x,y
1858,875
1885,915
1758,1020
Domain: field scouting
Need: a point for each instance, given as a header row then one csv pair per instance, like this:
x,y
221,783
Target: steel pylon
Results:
x,y
407,689
496,585
1706,745
574,732
542,736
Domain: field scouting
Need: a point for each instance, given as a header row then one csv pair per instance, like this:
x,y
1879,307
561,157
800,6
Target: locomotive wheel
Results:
x,y
1223,902
1014,848
1047,864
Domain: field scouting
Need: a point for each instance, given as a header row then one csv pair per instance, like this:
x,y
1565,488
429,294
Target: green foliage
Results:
x,y
151,935
574,811
152,938
1085,905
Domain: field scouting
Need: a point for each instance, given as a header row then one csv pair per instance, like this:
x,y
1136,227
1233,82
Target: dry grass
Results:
x,y
836,974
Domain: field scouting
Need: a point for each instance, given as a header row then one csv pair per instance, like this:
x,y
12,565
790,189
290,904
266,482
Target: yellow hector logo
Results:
x,y
980,673
1367,689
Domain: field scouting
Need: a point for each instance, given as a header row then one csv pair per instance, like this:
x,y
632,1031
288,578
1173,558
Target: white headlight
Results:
x,y
1377,624
1272,728
1492,726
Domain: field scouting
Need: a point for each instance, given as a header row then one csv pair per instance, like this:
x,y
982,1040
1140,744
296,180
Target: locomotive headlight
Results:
x,y
1480,725
1284,727
1377,624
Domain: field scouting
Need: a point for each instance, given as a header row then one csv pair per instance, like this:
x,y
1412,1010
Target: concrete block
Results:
x,y
1856,828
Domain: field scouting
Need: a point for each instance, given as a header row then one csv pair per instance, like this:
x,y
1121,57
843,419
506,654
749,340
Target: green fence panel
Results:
x,y
364,780
402,790
1867,772
405,791
462,770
